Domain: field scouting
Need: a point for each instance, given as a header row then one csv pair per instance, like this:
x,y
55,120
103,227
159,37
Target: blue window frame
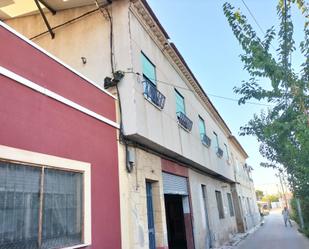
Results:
x,y
150,217
149,69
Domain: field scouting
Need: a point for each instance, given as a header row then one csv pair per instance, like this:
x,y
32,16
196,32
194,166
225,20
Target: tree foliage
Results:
x,y
259,194
282,130
270,198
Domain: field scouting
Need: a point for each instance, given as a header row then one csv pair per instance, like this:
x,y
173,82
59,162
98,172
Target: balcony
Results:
x,y
206,140
219,152
184,121
153,95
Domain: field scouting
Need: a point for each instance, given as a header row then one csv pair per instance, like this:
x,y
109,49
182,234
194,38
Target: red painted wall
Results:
x,y
23,59
32,121
174,168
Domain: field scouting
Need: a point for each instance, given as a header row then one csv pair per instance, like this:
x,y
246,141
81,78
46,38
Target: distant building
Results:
x,y
183,177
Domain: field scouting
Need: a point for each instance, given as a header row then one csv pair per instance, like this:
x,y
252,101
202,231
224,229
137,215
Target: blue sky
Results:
x,y
201,33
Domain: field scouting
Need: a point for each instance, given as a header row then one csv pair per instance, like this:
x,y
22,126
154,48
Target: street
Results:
x,y
274,235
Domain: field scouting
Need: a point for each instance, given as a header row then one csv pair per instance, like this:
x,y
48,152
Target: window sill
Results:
x,y
77,246
149,100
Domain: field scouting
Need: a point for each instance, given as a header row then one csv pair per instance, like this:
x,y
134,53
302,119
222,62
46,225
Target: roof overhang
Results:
x,y
17,8
234,140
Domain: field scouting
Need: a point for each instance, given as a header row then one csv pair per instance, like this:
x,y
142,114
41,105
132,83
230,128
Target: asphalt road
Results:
x,y
274,235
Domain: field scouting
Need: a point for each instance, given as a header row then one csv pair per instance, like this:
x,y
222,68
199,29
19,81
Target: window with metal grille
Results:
x,y
183,120
218,150
231,208
40,207
201,126
220,204
216,140
151,92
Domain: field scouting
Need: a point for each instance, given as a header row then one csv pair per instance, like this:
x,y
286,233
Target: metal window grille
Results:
x,y
153,94
184,121
39,207
206,140
219,152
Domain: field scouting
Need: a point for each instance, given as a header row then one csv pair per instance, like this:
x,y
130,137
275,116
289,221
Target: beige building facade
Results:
x,y
184,182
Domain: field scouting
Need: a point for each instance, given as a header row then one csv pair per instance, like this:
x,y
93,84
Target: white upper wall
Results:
x,y
238,161
161,126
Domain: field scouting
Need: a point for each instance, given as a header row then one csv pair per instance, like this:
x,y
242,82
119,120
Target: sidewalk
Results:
x,y
237,238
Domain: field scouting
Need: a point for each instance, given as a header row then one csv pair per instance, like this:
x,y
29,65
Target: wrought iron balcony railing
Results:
x,y
184,121
219,152
206,140
153,94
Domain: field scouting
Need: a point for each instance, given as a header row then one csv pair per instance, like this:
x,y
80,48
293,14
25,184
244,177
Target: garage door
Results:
x,y
173,184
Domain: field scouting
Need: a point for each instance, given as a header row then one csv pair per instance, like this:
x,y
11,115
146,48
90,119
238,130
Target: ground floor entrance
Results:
x,y
175,220
177,211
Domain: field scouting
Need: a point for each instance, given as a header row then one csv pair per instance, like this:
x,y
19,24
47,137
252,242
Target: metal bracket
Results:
x,y
48,7
52,34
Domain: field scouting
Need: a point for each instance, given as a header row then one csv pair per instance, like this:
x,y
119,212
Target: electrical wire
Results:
x,y
213,95
65,23
236,100
253,17
187,89
256,21
122,138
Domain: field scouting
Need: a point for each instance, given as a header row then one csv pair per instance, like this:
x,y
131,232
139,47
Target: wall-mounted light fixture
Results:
x,y
109,82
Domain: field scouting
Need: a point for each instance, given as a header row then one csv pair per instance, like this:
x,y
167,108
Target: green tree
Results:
x,y
270,198
259,194
282,130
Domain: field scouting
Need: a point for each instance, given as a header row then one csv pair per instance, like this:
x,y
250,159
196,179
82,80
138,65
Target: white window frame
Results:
x,y
38,159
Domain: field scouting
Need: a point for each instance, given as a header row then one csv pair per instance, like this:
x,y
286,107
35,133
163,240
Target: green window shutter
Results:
x,y
149,70
180,103
227,151
217,140
201,125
